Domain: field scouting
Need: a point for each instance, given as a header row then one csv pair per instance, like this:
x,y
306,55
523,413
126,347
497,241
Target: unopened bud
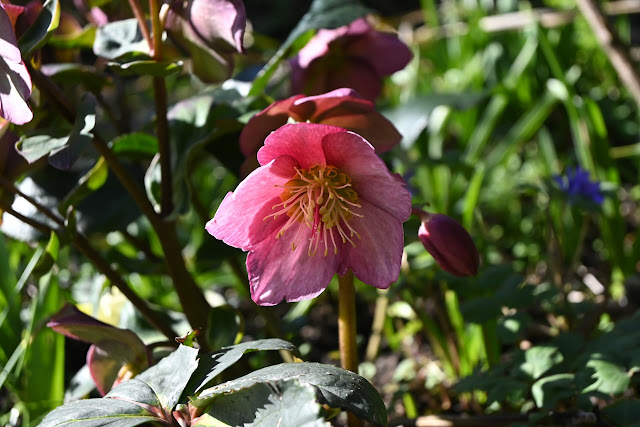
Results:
x,y
450,244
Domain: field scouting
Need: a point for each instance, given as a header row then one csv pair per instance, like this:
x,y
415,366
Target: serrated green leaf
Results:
x,y
610,377
38,33
540,359
290,404
147,68
170,376
281,403
98,413
135,391
213,364
336,387
322,14
120,38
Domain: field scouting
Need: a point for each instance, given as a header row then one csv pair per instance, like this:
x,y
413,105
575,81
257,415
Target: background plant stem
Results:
x,y
347,330
191,296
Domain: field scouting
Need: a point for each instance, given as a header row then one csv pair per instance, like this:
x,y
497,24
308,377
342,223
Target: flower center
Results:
x,y
322,198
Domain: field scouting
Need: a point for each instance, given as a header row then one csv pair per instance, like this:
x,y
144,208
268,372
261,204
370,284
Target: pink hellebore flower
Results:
x,y
355,56
321,202
449,244
15,82
211,31
116,354
342,107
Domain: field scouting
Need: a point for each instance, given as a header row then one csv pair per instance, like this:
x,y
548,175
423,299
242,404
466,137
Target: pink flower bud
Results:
x,y
450,244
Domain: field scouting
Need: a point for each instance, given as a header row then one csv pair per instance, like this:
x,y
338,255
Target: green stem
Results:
x,y
347,331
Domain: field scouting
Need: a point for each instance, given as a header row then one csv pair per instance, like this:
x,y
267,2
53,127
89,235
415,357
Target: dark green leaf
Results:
x,y
623,413
549,390
74,74
80,137
79,39
147,68
213,364
321,14
336,387
120,38
136,145
225,324
170,376
194,123
38,33
90,182
98,413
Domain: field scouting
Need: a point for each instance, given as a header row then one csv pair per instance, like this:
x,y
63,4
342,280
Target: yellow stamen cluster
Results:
x,y
323,199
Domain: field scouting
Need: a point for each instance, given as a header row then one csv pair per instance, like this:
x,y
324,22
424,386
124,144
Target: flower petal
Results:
x,y
8,43
277,272
239,221
370,177
384,51
15,89
302,141
377,256
372,126
263,123
339,101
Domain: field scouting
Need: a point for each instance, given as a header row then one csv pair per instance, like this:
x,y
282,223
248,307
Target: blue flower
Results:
x,y
576,185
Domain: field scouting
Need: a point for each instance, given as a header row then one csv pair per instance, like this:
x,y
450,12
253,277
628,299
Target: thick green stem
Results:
x,y
347,331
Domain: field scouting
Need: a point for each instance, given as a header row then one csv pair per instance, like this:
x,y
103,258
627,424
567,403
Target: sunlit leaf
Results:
x,y
120,38
147,68
336,387
170,376
213,364
38,33
98,413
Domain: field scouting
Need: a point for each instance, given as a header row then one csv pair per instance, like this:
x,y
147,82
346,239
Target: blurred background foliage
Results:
x,y
491,110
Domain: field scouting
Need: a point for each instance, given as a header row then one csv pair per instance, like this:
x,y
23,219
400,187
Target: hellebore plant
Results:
x,y
355,56
449,244
320,203
342,107
116,355
211,31
15,82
